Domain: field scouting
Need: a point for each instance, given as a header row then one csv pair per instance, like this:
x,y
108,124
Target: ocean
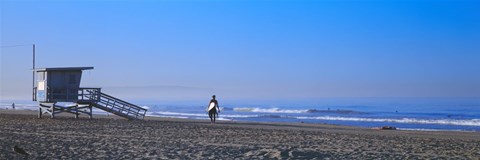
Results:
x,y
434,114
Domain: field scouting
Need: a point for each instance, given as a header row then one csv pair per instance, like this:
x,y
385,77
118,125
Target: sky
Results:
x,y
247,50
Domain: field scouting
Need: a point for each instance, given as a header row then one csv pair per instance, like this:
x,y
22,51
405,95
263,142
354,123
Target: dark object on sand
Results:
x,y
388,128
19,150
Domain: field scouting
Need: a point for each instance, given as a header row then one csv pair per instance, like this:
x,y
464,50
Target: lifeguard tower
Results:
x,y
55,85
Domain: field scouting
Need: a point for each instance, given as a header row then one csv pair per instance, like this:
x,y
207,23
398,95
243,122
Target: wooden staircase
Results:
x,y
114,105
85,99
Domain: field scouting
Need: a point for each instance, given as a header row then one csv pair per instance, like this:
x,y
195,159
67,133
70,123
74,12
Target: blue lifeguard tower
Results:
x,y
54,85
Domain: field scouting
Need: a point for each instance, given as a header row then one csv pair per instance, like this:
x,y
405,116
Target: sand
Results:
x,y
109,137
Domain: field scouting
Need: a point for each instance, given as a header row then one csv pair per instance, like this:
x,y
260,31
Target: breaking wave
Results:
x,y
426,129
459,122
181,114
199,115
278,110
182,117
270,110
19,106
220,118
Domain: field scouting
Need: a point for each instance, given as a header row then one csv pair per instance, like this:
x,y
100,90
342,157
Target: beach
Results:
x,y
111,137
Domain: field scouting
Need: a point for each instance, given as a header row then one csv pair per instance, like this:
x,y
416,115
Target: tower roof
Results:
x,y
63,69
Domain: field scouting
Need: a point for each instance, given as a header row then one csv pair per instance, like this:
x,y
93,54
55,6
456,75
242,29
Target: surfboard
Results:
x,y
211,106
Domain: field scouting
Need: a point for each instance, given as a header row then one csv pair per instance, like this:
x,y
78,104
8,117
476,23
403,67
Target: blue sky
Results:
x,y
248,50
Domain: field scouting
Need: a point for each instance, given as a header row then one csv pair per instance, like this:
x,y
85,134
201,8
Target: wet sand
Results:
x,y
110,137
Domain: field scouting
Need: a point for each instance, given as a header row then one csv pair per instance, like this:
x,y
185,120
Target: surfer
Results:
x,y
212,109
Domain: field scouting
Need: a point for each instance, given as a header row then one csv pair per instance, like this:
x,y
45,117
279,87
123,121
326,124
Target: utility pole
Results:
x,y
33,73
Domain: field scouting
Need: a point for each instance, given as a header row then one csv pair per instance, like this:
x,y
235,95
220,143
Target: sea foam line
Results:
x,y
270,110
466,122
182,114
203,115
434,130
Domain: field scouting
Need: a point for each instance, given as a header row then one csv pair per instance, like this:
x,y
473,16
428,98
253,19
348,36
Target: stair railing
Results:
x,y
117,106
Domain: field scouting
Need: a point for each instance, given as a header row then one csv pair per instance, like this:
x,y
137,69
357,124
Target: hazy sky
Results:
x,y
188,50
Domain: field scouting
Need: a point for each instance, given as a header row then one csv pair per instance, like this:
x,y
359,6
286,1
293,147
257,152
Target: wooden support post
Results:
x,y
52,108
39,112
90,107
76,111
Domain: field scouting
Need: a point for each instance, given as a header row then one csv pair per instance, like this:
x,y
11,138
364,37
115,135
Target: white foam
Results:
x,y
204,115
224,119
269,110
425,129
239,116
182,117
221,119
182,114
19,106
466,122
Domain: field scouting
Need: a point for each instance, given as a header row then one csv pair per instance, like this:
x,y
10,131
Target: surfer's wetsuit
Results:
x,y
213,112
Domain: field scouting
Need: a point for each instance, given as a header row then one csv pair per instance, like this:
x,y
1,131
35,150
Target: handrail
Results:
x,y
95,93
117,105
121,101
72,94
104,94
124,107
